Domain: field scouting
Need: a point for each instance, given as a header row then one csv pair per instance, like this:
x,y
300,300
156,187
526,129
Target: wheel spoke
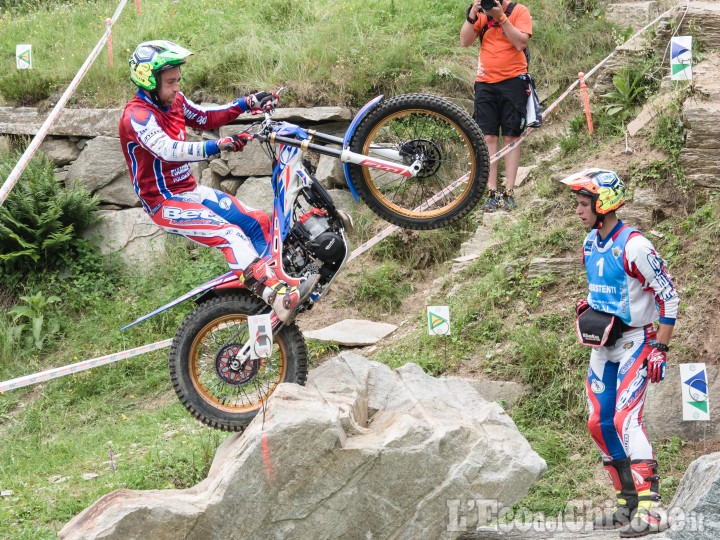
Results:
x,y
221,384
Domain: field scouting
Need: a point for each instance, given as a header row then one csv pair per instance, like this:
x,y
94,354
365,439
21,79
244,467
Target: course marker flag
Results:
x,y
696,405
438,320
681,58
23,56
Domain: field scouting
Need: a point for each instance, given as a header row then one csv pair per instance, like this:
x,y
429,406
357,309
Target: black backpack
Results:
x,y
508,11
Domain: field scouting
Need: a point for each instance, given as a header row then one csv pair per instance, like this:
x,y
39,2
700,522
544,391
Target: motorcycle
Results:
x,y
418,161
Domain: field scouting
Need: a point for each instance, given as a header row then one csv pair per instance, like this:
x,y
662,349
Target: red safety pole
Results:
x,y
586,102
137,6
108,23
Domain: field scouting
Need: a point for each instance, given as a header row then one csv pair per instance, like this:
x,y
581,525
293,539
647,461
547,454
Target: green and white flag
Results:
x,y
681,58
23,56
696,405
438,320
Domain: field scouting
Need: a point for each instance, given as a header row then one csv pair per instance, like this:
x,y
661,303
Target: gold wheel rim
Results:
x,y
233,399
423,214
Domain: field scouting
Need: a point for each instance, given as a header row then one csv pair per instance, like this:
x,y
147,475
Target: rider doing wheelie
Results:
x,y
153,138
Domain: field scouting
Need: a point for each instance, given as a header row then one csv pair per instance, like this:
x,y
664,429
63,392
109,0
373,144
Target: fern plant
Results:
x,y
630,90
40,222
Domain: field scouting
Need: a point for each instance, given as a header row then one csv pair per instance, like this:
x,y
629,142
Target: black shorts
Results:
x,y
501,105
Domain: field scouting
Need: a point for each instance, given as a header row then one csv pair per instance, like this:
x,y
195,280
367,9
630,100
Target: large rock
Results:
x,y
632,14
562,266
663,409
101,169
330,172
627,54
694,513
130,233
343,199
257,193
700,15
645,209
60,151
70,122
352,332
507,393
252,161
302,116
699,156
361,452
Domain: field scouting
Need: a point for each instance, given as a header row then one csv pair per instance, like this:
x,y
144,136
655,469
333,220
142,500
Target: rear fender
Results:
x,y
349,134
226,281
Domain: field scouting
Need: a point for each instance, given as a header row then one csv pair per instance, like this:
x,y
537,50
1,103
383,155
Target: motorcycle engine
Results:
x,y
324,243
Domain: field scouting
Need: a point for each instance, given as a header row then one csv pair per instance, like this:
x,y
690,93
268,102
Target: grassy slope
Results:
x,y
54,433
325,51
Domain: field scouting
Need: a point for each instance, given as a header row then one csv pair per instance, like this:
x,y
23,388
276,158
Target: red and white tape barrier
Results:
x,y
54,373
50,120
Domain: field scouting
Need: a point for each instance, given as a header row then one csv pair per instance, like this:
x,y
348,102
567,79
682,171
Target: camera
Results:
x,y
487,4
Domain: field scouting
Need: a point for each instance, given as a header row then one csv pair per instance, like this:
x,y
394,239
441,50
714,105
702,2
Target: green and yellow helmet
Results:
x,y
153,57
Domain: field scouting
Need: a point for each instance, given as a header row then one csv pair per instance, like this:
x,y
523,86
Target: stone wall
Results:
x,y
84,145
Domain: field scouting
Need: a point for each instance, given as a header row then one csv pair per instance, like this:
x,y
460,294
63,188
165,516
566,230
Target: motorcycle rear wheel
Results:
x,y
215,392
451,146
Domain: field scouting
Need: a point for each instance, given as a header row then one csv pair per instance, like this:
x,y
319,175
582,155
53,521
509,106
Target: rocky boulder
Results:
x,y
700,156
361,452
703,16
694,513
101,169
663,409
130,233
70,122
634,14
60,151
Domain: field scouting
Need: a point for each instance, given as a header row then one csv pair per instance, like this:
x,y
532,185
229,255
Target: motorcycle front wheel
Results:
x,y
453,155
211,382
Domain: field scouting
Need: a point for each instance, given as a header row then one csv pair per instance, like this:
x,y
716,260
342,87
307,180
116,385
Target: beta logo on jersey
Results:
x,y
225,203
633,392
178,215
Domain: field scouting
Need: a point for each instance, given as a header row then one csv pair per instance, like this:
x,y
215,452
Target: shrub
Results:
x,y
382,288
40,221
30,319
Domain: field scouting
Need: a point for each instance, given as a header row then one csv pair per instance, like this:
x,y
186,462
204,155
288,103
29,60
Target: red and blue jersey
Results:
x,y
628,278
155,149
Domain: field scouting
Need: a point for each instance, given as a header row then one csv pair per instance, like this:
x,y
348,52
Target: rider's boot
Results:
x,y
650,517
627,497
283,298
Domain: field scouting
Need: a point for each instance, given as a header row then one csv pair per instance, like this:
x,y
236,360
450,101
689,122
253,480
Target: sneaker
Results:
x,y
509,203
492,204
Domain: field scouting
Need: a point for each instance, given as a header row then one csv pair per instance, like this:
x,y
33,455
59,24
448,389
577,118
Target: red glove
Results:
x,y
656,363
261,102
234,143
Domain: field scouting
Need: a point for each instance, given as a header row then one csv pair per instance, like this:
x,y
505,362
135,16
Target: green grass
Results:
x,y
66,427
504,324
324,51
